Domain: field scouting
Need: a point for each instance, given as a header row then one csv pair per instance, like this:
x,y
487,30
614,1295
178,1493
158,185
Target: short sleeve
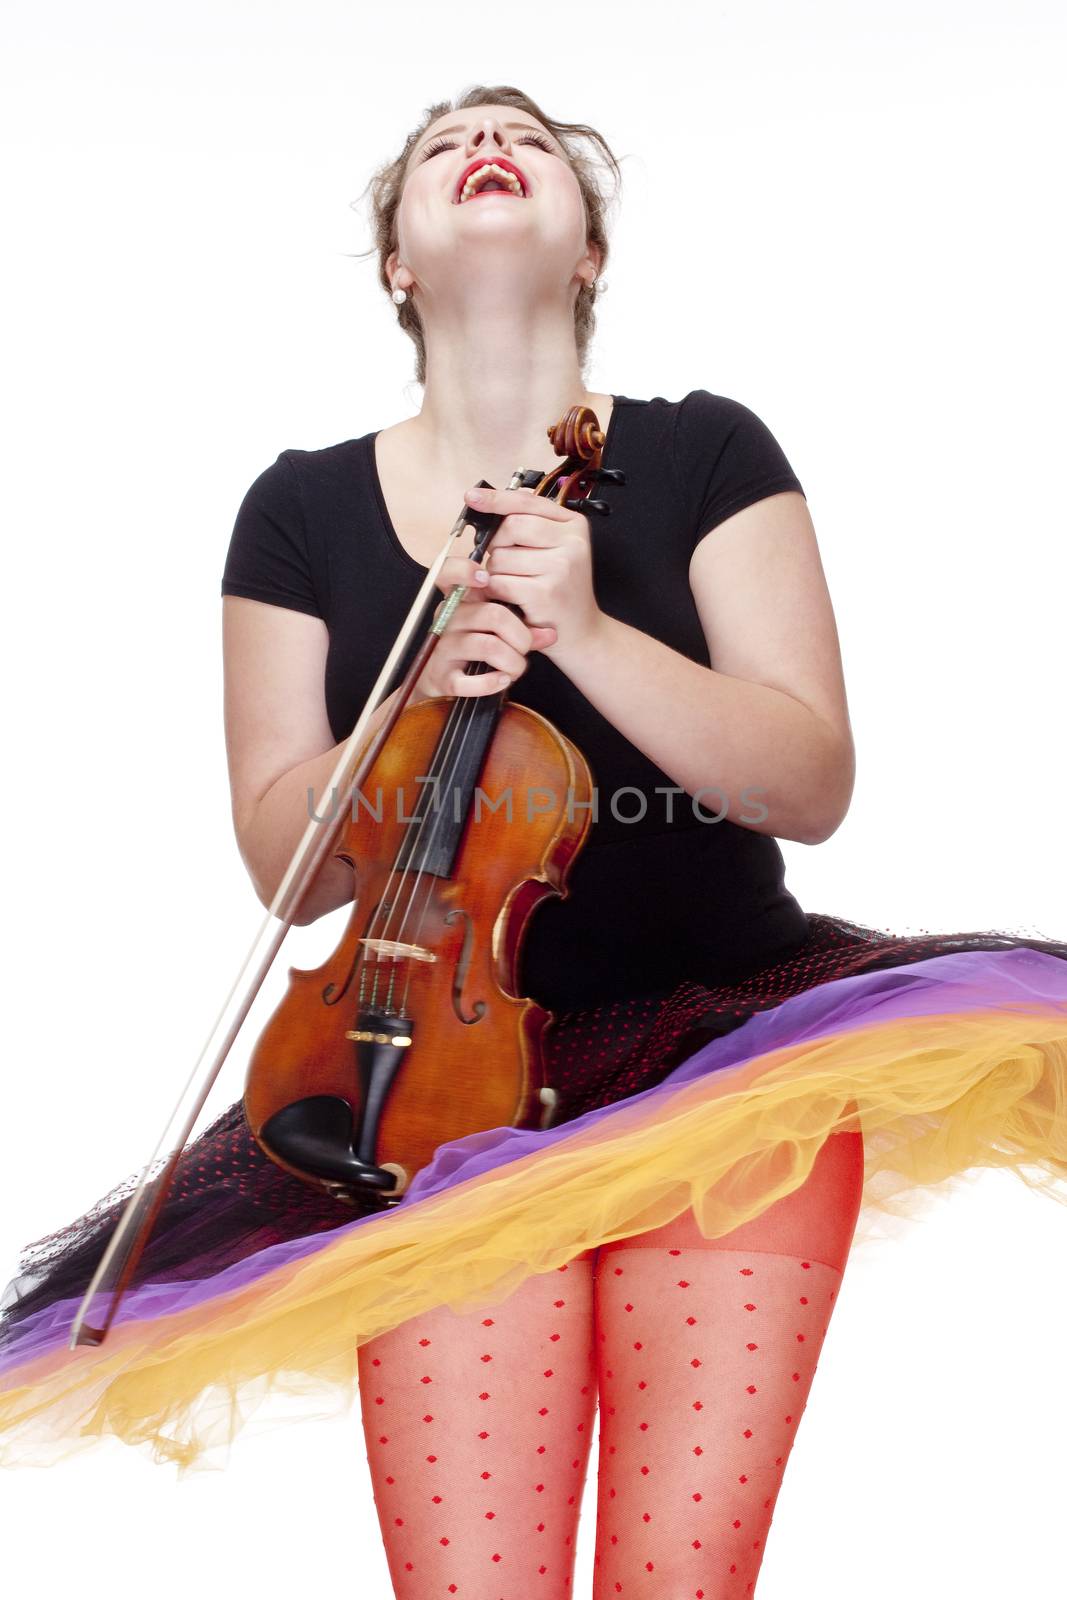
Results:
x,y
726,458
268,557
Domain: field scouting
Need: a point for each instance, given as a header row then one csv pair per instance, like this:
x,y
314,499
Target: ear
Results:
x,y
390,266
595,255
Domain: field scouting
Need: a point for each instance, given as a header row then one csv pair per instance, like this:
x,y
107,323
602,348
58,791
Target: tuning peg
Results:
x,y
601,507
610,475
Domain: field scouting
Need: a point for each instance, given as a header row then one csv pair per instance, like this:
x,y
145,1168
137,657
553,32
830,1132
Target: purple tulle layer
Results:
x,y
1014,976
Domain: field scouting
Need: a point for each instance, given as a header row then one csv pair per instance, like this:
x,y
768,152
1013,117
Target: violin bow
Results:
x,y
577,435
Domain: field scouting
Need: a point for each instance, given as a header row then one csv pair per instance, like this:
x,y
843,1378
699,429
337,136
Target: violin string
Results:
x,y
375,929
460,722
461,713
381,932
465,721
410,842
378,927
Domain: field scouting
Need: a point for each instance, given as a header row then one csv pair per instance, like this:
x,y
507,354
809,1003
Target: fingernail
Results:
x,y
481,576
475,497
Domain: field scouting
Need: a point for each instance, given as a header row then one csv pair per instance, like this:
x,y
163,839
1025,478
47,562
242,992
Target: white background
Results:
x,y
846,216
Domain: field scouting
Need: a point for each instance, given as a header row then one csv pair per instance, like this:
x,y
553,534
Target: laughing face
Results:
x,y
486,188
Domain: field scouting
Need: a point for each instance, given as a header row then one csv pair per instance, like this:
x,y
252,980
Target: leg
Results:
x,y
706,1351
478,1428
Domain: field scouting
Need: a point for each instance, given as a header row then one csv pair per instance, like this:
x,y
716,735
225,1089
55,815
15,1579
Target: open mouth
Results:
x,y
498,176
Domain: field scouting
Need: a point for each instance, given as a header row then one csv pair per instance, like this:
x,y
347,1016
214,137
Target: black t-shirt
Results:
x,y
655,895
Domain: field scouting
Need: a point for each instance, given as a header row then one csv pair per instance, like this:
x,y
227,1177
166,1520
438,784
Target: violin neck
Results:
x,y
436,829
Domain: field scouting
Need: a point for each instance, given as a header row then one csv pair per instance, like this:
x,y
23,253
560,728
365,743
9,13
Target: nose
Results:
x,y
490,130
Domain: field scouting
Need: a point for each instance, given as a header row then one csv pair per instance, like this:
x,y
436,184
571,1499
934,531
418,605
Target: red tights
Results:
x,y
700,1353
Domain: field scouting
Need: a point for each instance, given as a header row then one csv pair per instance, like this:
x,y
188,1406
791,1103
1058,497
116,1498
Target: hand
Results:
x,y
478,630
541,559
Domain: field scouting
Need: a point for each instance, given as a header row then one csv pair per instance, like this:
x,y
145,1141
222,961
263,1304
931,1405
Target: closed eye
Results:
x,y
450,144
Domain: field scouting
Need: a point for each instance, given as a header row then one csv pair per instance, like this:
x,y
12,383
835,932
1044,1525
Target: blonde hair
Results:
x,y
388,181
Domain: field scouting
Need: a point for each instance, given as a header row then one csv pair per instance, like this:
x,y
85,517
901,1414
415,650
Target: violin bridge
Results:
x,y
398,950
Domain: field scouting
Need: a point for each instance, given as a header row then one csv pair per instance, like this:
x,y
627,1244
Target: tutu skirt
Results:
x,y
947,1051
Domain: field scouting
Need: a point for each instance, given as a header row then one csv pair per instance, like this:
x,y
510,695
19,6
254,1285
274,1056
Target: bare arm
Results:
x,y
771,715
279,744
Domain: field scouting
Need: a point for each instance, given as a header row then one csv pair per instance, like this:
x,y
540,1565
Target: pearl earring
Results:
x,y
399,296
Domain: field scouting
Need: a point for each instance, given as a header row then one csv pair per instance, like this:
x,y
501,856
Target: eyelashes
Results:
x,y
450,144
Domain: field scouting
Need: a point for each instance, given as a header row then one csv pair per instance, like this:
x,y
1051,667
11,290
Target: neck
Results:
x,y
496,379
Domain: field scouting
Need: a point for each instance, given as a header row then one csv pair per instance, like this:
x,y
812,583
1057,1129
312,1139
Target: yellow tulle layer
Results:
x,y
935,1097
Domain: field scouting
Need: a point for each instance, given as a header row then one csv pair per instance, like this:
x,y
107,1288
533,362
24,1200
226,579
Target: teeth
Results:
x,y
482,174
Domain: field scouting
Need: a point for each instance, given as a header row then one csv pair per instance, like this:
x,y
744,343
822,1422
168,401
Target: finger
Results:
x,y
459,569
518,560
473,683
524,529
492,617
494,651
508,502
513,590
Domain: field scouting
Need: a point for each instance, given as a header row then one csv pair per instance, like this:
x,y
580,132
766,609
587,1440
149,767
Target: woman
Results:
x,y
733,1077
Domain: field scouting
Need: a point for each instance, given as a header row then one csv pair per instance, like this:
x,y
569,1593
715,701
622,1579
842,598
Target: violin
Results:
x,y
412,1033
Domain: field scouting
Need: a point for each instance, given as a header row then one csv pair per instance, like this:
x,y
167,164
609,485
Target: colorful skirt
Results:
x,y
948,1052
